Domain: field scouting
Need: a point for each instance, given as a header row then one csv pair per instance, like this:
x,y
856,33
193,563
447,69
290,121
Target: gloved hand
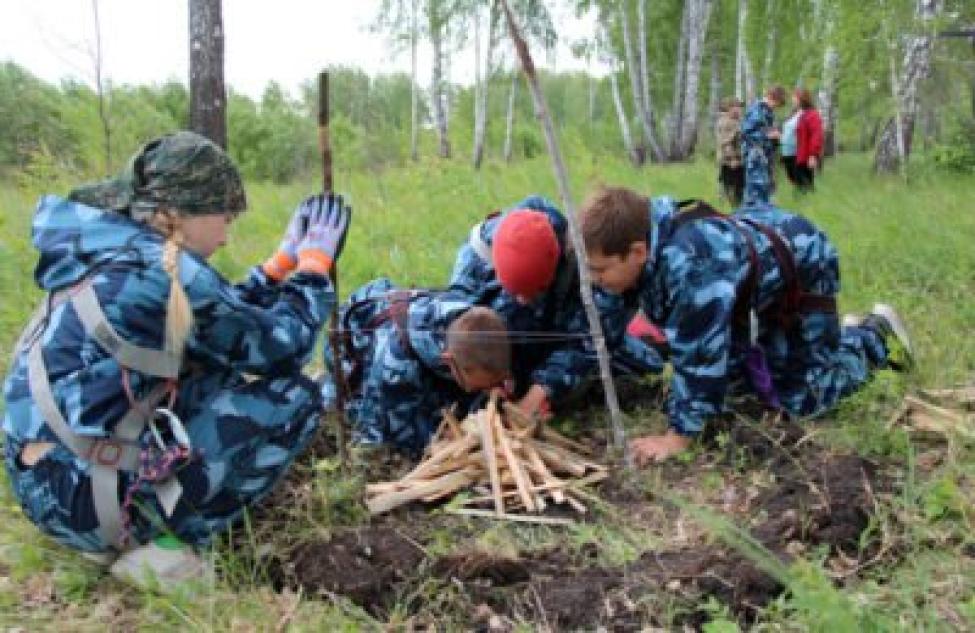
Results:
x,y
285,259
328,224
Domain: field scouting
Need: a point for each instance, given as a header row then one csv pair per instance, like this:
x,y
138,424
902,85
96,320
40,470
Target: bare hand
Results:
x,y
813,162
535,403
773,134
657,448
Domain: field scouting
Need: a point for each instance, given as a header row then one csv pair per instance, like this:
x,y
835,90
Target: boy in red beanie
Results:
x,y
518,262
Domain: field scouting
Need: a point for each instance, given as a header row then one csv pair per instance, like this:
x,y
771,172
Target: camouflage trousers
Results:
x,y
244,436
758,178
816,363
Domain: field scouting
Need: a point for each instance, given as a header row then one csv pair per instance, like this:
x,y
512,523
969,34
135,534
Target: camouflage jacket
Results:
x,y
758,120
257,327
561,365
728,137
399,383
689,286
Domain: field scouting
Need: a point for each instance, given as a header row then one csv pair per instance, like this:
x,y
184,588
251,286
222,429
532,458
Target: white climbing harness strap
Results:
x,y
121,451
479,245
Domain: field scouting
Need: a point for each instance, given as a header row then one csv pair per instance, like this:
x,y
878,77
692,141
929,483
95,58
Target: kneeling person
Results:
x,y
750,296
411,353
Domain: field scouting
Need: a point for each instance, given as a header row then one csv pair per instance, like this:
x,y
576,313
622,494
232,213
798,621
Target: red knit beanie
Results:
x,y
525,252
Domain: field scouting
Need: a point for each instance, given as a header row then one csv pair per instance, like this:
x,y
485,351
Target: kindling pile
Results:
x,y
511,462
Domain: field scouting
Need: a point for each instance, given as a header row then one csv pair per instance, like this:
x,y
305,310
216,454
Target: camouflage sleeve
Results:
x,y
258,288
472,277
257,329
570,363
698,330
753,127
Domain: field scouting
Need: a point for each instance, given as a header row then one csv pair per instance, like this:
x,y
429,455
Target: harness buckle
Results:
x,y
106,453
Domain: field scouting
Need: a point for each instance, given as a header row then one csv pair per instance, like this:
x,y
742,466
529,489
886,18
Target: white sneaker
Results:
x,y
852,320
164,568
886,322
100,558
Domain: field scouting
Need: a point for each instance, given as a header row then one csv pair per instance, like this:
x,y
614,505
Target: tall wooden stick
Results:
x,y
334,337
562,178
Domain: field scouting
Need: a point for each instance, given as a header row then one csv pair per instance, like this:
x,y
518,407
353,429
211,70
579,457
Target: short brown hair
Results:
x,y
612,219
804,97
778,93
478,339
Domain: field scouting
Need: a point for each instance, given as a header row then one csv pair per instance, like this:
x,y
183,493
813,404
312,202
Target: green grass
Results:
x,y
907,244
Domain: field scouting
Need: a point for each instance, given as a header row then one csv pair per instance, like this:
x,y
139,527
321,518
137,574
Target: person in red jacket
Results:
x,y
809,141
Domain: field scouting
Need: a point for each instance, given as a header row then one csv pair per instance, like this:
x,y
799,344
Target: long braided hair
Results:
x,y
179,314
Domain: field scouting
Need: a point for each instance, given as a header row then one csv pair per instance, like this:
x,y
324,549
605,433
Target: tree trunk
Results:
x,y
698,15
828,105
675,120
414,88
510,118
103,115
636,156
899,131
632,66
740,51
208,97
714,97
772,25
477,152
649,124
480,112
436,88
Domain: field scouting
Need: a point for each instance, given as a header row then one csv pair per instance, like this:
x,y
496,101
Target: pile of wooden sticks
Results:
x,y
511,462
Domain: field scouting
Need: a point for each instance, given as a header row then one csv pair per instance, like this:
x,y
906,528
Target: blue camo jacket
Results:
x,y
402,384
558,366
690,283
755,125
257,327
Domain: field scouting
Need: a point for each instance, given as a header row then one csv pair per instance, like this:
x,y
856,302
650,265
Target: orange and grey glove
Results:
x,y
285,259
328,224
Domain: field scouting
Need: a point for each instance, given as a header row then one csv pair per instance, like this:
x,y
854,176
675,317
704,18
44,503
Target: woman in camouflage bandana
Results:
x,y
141,242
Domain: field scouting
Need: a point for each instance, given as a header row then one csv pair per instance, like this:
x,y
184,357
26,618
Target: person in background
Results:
x,y
731,172
758,137
809,141
787,144
149,401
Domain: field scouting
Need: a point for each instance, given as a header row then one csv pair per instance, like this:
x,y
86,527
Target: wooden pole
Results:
x,y
562,178
334,337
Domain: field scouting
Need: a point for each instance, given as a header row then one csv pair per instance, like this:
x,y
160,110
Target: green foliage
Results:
x,y
958,152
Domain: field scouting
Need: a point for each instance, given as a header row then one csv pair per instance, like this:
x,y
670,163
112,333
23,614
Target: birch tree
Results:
x,y
437,16
208,97
744,77
894,146
103,104
482,83
828,104
694,22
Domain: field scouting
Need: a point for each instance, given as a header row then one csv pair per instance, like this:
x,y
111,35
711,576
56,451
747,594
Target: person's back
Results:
x,y
728,136
405,361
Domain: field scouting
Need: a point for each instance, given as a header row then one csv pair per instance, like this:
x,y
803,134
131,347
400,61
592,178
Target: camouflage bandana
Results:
x,y
182,171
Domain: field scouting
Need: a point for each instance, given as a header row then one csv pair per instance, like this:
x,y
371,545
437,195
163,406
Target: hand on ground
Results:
x,y
657,448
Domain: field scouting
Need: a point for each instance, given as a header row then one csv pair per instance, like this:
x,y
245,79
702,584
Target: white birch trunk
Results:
x,y
740,51
510,118
436,88
916,66
632,65
414,87
631,149
480,120
714,98
103,105
477,152
828,106
644,62
675,120
699,15
772,25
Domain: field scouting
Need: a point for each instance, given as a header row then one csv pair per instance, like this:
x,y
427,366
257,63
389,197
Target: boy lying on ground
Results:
x,y
408,355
